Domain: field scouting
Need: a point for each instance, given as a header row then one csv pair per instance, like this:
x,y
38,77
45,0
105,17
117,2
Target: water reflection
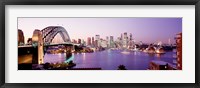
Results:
x,y
70,58
83,56
111,59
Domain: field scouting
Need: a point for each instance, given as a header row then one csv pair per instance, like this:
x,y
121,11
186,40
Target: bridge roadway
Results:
x,y
26,53
52,44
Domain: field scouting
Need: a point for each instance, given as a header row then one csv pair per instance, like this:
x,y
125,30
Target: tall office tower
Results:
x,y
130,37
89,41
83,42
125,40
121,39
125,35
103,43
111,41
93,42
179,50
118,42
118,39
20,37
79,41
107,41
97,38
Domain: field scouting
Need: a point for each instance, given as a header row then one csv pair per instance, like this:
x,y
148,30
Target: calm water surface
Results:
x,y
111,59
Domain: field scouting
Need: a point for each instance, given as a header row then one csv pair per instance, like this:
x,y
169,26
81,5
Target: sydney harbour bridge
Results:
x,y
41,40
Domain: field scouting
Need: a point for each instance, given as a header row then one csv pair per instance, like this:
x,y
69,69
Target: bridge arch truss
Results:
x,y
50,32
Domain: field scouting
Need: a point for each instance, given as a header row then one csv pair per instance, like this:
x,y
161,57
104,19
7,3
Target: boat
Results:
x,y
125,52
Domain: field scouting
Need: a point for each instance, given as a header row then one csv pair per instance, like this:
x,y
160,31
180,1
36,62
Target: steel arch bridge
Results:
x,y
50,32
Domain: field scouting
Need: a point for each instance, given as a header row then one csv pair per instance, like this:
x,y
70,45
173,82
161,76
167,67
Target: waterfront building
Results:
x,y
107,41
131,44
93,42
150,49
118,40
89,41
97,38
179,50
79,41
103,43
96,43
111,41
130,39
117,43
125,40
20,37
83,42
161,65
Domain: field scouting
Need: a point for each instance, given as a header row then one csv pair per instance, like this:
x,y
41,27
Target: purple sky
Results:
x,y
147,30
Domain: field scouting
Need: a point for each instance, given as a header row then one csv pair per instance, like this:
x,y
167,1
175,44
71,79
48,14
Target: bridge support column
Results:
x,y
73,48
68,51
37,42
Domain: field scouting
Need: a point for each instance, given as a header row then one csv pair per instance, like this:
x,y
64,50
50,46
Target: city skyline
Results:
x,y
147,30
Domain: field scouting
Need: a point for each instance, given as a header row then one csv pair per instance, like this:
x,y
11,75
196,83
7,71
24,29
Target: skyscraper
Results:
x,y
125,35
103,43
83,42
97,38
89,41
107,41
130,37
79,41
93,42
96,43
125,40
111,41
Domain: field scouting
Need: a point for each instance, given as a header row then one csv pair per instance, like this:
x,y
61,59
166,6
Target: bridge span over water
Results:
x,y
41,40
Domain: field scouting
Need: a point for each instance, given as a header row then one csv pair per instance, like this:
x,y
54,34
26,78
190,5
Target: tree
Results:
x,y
121,67
71,62
47,65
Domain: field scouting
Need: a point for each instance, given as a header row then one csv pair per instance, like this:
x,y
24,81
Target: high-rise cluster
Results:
x,y
124,41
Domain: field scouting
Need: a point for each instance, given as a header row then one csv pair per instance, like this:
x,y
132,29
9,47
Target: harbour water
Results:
x,y
111,59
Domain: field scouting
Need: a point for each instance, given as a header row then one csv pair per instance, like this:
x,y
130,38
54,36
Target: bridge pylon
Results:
x,y
37,42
